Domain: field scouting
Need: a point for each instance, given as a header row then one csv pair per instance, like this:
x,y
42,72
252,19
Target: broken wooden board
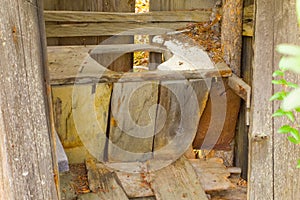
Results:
x,y
212,174
181,104
177,181
134,184
132,122
103,182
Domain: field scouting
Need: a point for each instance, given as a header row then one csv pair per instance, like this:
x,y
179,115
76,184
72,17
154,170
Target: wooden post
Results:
x,y
286,154
260,172
26,162
231,35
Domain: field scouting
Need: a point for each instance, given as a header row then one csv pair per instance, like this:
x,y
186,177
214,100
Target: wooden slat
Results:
x,y
260,172
28,168
163,16
118,28
143,76
132,122
177,181
183,103
286,154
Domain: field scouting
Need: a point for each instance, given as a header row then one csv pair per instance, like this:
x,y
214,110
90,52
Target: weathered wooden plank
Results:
x,y
177,181
66,63
27,167
162,16
181,105
181,5
132,122
118,28
260,172
134,184
248,20
231,34
286,154
212,174
217,124
81,116
103,182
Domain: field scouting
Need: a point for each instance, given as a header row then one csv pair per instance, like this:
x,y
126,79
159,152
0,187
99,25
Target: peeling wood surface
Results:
x,y
26,164
177,181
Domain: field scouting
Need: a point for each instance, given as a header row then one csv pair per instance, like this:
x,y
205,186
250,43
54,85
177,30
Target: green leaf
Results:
x,y
297,109
295,134
278,73
279,82
291,101
290,115
285,129
289,49
279,113
292,85
290,63
278,96
298,165
292,139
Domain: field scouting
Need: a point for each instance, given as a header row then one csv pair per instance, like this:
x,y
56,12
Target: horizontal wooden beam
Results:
x,y
79,23
121,77
120,28
114,17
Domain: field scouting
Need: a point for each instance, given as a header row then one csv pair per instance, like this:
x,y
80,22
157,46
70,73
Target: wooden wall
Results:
x,y
272,159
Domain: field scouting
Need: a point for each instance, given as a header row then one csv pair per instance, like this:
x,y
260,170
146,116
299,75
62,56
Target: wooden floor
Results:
x,y
184,179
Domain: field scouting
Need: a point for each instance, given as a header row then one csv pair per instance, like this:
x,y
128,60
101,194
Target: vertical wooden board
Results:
x,y
177,181
91,104
27,167
64,122
260,173
241,139
286,154
216,128
132,123
181,104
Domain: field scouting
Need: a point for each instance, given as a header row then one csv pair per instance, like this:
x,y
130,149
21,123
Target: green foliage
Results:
x,y
290,94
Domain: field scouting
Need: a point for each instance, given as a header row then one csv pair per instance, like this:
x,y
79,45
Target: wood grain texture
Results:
x,y
181,105
260,173
216,128
231,35
286,154
26,164
132,122
177,181
161,16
